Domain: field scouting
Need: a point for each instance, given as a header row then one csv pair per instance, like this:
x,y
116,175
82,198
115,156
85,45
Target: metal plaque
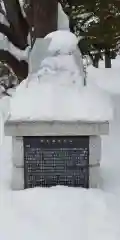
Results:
x,y
51,161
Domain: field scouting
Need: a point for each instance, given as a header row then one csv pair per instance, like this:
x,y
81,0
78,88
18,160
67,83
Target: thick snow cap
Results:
x,y
62,42
56,91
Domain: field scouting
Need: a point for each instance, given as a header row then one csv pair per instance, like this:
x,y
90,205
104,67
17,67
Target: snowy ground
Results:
x,y
63,213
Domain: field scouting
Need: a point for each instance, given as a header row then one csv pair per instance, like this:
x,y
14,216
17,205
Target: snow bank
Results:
x,y
107,79
58,213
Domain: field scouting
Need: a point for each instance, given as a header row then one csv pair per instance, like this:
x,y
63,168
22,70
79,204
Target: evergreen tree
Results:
x,y
105,34
98,21
80,13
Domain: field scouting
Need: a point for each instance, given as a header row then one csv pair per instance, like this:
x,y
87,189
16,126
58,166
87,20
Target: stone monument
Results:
x,y
53,143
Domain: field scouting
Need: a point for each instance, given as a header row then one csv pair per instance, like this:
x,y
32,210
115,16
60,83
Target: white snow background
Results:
x,y
61,212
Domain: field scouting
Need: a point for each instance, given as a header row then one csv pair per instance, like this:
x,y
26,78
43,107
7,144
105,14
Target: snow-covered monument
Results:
x,y
55,121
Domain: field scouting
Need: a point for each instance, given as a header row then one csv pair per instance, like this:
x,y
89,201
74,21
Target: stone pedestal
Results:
x,y
55,128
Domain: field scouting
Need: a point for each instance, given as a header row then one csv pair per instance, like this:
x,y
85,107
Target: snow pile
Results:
x,y
56,91
60,99
62,42
60,63
104,78
59,213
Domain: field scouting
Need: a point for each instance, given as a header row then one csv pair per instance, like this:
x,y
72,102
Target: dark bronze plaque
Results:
x,y
51,161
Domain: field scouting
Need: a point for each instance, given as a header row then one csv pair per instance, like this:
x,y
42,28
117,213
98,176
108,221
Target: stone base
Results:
x,y
94,177
18,177
55,128
18,162
17,182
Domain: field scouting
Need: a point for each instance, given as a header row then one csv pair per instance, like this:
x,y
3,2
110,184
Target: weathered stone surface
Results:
x,y
17,182
94,150
18,177
41,128
54,128
94,176
18,151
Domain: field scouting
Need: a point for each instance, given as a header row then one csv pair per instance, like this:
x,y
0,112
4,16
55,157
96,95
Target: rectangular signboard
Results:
x,y
59,160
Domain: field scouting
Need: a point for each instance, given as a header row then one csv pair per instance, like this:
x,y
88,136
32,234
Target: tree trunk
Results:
x,y
107,59
45,14
43,20
18,23
96,60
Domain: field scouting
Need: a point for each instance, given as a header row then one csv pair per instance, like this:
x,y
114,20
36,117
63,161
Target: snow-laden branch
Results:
x,y
12,37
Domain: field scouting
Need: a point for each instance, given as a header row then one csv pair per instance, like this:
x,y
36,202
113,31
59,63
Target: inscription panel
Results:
x,y
51,161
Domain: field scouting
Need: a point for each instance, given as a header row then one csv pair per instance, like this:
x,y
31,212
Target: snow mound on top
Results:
x,y
58,98
62,42
61,63
56,91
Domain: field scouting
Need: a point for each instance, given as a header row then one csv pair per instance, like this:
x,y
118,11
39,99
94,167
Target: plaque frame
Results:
x,y
81,141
